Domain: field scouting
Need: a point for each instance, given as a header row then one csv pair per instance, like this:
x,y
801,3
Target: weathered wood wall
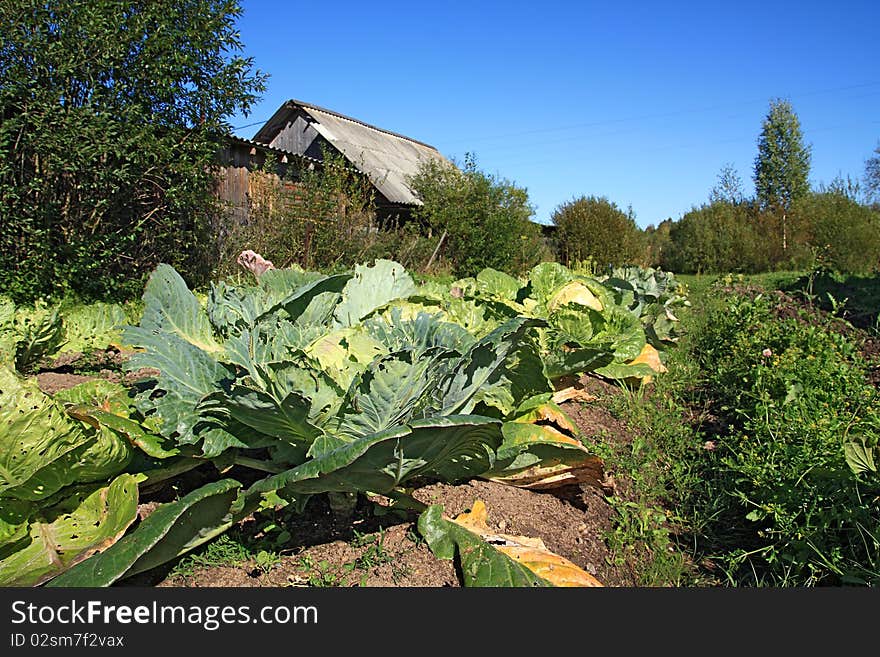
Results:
x,y
298,135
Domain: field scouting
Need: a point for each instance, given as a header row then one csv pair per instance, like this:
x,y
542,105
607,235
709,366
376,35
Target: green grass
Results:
x,y
649,529
700,284
738,462
226,550
786,504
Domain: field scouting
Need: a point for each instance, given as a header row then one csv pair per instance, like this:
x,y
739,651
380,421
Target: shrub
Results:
x,y
722,237
712,238
321,218
658,241
592,228
486,220
110,119
845,233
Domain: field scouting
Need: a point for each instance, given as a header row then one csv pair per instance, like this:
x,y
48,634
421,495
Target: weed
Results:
x,y
779,503
225,550
266,561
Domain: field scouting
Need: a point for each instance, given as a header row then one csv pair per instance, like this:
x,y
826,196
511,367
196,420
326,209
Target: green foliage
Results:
x,y
595,228
782,166
322,218
786,507
112,113
594,325
35,333
872,176
88,327
654,296
658,242
853,298
729,188
62,491
481,563
486,220
845,233
31,336
338,385
828,229
171,530
332,382
37,543
714,238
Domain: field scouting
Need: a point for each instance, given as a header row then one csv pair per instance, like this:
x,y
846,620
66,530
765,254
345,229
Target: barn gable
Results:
x,y
385,157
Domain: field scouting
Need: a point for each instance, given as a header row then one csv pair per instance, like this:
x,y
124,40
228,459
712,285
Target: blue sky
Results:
x,y
641,102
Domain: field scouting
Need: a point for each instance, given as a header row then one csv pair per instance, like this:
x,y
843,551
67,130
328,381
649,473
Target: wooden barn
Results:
x,y
239,159
299,134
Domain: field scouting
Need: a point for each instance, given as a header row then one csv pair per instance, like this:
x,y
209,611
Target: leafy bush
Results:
x,y
486,220
787,508
323,218
110,119
715,238
722,237
845,233
595,228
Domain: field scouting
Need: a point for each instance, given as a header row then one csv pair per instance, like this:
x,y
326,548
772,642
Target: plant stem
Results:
x,y
256,464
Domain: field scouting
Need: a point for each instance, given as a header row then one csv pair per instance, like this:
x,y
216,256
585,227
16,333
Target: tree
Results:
x,y
782,166
872,176
480,220
729,187
594,228
112,113
844,233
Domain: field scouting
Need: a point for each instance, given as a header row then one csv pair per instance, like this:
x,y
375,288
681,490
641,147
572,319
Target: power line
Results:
x,y
250,125
660,115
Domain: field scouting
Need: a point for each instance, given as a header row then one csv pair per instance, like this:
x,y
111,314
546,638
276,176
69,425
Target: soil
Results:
x,y
386,550
72,368
377,549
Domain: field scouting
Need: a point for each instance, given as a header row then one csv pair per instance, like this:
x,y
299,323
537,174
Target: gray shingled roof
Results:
x,y
386,158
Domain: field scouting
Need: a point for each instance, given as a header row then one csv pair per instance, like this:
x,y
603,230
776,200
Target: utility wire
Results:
x,y
660,115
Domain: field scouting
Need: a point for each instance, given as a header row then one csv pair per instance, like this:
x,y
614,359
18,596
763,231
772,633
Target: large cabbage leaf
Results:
x,y
44,449
107,407
176,338
93,326
442,448
372,288
86,520
171,310
482,564
170,530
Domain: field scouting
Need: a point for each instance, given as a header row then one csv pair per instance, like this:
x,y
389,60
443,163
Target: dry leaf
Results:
x,y
590,471
650,357
528,551
573,393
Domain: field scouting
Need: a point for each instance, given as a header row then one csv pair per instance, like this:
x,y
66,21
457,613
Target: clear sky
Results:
x,y
641,102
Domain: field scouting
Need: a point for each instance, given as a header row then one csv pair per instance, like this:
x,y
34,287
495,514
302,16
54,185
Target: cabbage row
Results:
x,y
342,384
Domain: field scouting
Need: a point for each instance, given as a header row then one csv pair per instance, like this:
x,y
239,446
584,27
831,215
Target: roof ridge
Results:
x,y
301,103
